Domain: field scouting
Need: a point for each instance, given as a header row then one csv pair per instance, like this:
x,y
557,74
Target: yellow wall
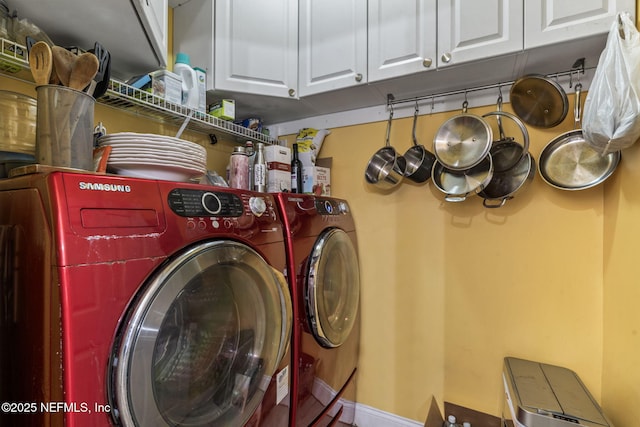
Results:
x,y
621,345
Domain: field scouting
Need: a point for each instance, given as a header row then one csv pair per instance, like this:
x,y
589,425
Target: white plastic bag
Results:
x,y
611,120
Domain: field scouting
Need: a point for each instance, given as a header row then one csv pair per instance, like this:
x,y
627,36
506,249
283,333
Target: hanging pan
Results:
x,y
506,182
539,101
419,160
458,185
507,151
386,168
568,162
463,141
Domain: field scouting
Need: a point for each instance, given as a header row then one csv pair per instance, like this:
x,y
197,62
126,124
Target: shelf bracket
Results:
x,y
185,123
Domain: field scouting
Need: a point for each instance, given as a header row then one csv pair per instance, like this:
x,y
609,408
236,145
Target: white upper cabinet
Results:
x,y
333,45
469,30
134,31
154,16
256,46
552,21
402,37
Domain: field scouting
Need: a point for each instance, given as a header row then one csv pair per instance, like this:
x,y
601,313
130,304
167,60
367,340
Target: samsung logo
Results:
x,y
95,186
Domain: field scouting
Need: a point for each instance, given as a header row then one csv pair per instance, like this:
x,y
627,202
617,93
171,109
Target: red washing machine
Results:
x,y
137,302
324,280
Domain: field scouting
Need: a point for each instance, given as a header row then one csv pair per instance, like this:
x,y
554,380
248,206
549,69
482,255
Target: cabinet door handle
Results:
x,y
426,63
446,57
292,92
358,77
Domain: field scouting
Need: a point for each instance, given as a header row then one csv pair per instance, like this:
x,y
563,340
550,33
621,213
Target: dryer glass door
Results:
x,y
201,342
332,287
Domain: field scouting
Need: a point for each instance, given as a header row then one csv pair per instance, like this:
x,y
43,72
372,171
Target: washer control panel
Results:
x,y
205,203
331,207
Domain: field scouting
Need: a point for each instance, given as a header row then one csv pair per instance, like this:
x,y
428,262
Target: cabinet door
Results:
x,y
469,30
553,21
154,17
333,44
193,34
134,31
256,46
402,37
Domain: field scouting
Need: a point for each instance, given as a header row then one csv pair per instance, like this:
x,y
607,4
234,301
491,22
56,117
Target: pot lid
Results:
x,y
539,101
463,141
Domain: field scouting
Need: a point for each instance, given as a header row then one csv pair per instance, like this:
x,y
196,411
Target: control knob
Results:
x,y
211,203
257,206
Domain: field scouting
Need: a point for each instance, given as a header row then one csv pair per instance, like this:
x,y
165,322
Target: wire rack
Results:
x,y
14,63
133,100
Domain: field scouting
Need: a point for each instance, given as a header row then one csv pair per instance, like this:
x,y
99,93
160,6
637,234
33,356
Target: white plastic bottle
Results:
x,y
451,421
190,91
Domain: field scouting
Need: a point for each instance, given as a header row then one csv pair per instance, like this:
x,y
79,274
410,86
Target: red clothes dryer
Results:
x,y
324,280
137,302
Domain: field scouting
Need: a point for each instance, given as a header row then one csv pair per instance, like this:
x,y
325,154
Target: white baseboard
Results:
x,y
367,416
357,413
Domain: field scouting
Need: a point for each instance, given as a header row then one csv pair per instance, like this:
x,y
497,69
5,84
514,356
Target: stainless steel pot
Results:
x,y
507,152
458,185
463,141
505,184
419,161
568,162
386,168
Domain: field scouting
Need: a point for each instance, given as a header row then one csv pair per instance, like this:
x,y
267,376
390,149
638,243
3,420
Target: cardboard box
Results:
x,y
224,109
316,179
167,85
278,160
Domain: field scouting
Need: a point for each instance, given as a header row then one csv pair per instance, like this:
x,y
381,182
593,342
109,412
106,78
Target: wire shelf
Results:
x,y
128,98
14,63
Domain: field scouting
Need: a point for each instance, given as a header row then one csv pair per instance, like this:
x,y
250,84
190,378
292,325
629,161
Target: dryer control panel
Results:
x,y
331,206
202,203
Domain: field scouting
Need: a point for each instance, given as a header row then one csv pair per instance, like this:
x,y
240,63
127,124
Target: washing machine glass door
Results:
x,y
201,343
332,287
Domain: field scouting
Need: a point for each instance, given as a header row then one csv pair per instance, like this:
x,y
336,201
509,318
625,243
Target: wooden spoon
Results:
x,y
83,70
40,63
63,61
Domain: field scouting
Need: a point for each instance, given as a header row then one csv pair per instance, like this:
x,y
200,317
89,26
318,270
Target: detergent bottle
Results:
x,y
182,67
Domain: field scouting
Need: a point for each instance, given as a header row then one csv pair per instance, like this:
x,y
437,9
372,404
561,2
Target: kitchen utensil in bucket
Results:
x,y
419,161
568,162
385,169
539,101
463,141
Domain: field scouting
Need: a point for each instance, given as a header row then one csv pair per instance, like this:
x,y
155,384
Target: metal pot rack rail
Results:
x,y
577,69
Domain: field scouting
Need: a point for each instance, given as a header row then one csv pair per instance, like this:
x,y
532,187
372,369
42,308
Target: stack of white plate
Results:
x,y
155,156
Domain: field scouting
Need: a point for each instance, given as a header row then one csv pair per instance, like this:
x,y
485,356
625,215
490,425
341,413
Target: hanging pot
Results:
x,y
504,185
507,152
385,169
458,185
419,161
463,141
568,162
539,101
